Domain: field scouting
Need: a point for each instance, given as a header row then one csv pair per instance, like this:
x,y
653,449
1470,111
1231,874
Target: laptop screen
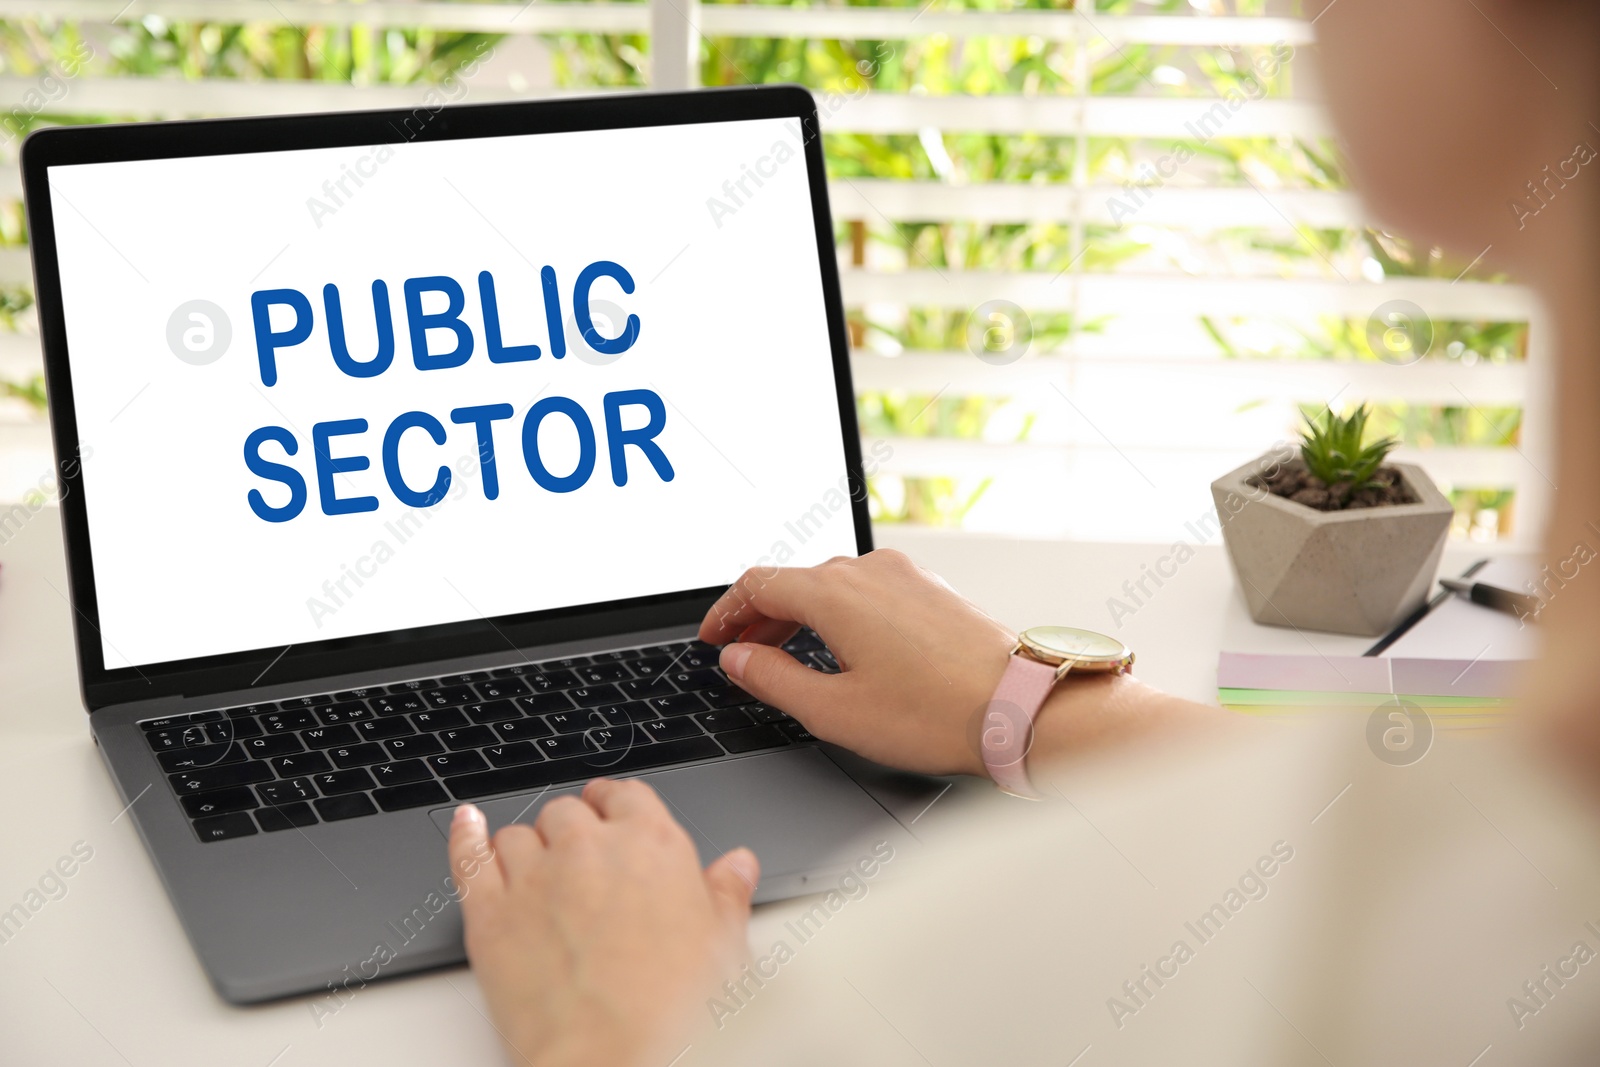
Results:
x,y
337,392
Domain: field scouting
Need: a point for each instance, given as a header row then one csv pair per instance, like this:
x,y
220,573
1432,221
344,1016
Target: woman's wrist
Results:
x,y
1086,712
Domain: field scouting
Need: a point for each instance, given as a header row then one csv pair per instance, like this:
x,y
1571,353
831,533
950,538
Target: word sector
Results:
x,y
629,417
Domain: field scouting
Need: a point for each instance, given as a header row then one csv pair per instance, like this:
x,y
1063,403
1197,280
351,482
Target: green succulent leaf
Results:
x,y
1333,451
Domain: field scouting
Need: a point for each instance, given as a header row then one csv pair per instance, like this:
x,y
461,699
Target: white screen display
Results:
x,y
292,369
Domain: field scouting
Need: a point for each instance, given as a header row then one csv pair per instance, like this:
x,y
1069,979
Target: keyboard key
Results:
x,y
522,729
329,736
287,792
617,656
600,673
632,711
223,827
179,720
794,731
565,745
518,671
357,755
698,655
415,686
544,703
549,772
304,763
398,704
552,679
407,747
286,817
670,651
345,711
644,688
763,713
689,681
239,729
612,715
360,694
753,739
352,806
823,661
574,722
464,679
591,696
725,696
307,702
717,722
443,719
219,801
449,696
414,795
502,689
614,739
452,763
511,755
678,704
192,758
334,783
281,745
285,722
379,729
650,666
468,737
181,737
245,711
564,664
494,711
671,729
198,781
402,773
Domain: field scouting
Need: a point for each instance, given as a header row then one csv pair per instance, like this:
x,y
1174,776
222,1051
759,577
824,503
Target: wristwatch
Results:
x,y
1042,657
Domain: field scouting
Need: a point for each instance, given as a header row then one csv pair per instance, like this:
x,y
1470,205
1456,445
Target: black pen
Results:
x,y
1521,605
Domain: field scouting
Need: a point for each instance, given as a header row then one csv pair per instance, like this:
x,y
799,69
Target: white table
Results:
x,y
103,975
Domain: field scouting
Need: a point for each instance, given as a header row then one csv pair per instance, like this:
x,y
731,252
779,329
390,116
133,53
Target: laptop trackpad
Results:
x,y
803,816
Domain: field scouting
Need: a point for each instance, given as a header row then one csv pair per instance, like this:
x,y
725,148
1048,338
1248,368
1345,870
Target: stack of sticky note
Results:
x,y
1460,662
1462,694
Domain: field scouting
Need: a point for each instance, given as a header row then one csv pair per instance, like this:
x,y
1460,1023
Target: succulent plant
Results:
x,y
1333,450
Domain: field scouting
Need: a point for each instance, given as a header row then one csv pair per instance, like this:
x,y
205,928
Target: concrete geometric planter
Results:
x,y
1351,572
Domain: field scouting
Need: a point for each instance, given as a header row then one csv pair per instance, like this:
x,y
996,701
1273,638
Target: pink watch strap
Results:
x,y
1008,722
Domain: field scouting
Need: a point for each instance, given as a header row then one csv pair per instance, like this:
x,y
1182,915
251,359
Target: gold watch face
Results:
x,y
1058,644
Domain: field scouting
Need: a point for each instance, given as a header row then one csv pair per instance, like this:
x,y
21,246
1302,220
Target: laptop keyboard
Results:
x,y
431,741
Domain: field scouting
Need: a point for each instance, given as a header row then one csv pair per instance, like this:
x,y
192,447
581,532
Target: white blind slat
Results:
x,y
863,113
725,19
872,199
1181,295
1222,381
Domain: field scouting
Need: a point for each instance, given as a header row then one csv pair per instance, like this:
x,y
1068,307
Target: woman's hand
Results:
x,y
919,665
594,933
919,662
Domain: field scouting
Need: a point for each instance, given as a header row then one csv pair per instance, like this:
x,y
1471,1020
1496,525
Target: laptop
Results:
x,y
404,453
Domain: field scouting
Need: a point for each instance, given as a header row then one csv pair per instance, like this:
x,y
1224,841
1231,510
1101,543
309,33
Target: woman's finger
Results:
x,y
563,817
807,596
732,880
627,798
473,863
774,677
769,632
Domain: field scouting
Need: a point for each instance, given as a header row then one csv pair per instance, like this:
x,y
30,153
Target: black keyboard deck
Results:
x,y
431,741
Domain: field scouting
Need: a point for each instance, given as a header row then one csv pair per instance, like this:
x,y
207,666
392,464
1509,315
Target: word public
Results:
x,y
415,489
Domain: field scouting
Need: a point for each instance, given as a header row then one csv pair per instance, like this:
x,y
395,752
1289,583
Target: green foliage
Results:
x,y
1334,453
31,391
936,65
